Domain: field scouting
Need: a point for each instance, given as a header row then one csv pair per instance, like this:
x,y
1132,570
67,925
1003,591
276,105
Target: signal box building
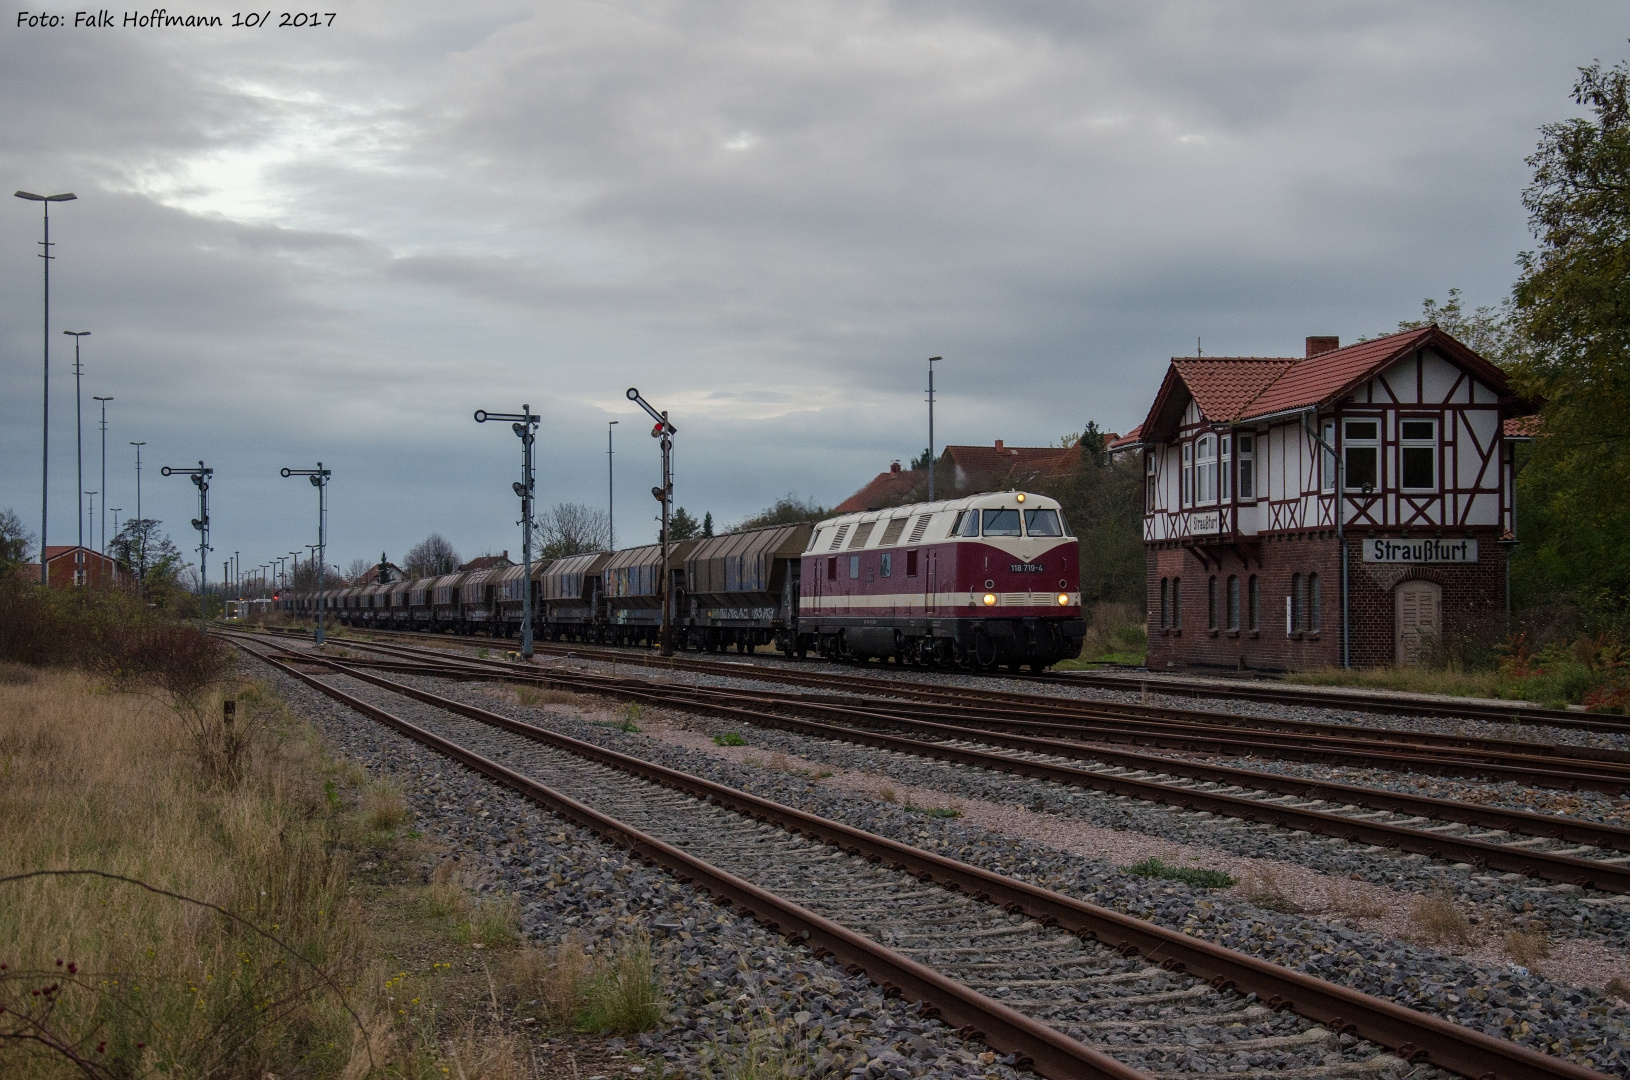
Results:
x,y
1258,471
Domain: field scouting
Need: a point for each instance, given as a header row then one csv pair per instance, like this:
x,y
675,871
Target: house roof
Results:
x,y
1130,439
53,552
886,489
487,562
1522,427
1002,460
1235,389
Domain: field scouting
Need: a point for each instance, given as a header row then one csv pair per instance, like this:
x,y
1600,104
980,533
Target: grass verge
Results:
x,y
1190,875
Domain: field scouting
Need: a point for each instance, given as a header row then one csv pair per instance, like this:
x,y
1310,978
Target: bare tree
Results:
x,y
571,529
430,556
358,569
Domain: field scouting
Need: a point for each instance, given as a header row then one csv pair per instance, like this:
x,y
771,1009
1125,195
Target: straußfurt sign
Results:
x,y
1420,551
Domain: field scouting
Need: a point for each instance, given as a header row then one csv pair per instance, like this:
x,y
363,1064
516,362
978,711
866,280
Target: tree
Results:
x,y
787,510
571,529
1488,331
1092,443
15,542
707,523
357,570
142,547
1571,309
1102,499
681,526
431,556
920,462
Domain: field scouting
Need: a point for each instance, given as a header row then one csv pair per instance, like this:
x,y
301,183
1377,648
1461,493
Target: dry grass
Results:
x,y
1618,988
1262,887
1437,919
533,696
1350,899
108,781
384,807
1527,947
616,988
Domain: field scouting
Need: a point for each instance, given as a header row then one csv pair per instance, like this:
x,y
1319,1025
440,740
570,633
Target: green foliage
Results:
x,y
787,510
1190,875
1102,497
15,542
624,993
681,526
150,553
707,523
1572,312
920,462
730,738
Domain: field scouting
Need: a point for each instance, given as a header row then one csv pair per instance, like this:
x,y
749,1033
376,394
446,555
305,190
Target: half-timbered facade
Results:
x,y
1248,461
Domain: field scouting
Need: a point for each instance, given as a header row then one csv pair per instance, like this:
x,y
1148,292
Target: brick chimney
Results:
x,y
998,446
1318,345
895,467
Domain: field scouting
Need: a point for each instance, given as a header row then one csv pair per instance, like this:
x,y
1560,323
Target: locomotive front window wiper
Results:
x,y
1001,523
1042,523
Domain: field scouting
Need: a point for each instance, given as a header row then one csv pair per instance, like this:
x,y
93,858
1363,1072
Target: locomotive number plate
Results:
x,y
1026,567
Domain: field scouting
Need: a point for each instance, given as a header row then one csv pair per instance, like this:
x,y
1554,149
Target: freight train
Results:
x,y
983,581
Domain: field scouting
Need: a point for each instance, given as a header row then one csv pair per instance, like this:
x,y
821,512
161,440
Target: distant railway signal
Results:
x,y
523,424
200,480
664,430
319,480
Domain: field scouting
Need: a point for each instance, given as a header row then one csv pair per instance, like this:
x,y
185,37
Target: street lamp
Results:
x,y
79,454
611,492
319,480
523,424
104,543
45,202
90,518
141,558
665,495
200,479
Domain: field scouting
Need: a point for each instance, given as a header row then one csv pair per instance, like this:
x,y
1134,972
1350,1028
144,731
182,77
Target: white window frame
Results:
x,y
1327,458
1205,470
1406,445
1149,468
1349,443
1225,466
1188,474
1245,454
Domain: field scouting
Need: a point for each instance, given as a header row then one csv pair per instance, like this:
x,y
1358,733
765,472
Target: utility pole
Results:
x,y
319,480
523,425
141,525
103,546
611,492
90,521
200,478
45,202
664,431
79,455
931,361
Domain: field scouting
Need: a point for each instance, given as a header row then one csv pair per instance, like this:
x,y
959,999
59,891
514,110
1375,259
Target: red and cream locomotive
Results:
x,y
984,581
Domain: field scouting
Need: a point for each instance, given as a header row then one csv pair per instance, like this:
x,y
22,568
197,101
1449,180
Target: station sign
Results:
x,y
1423,550
1204,524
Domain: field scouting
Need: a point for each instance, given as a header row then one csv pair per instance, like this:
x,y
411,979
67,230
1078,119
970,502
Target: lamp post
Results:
x,y
611,492
664,431
523,424
103,546
200,478
319,480
90,519
79,455
45,202
141,558
115,511
931,361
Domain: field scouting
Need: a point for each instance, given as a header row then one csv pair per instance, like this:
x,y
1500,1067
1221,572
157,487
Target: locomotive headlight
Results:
x,y
1063,599
1019,497
990,599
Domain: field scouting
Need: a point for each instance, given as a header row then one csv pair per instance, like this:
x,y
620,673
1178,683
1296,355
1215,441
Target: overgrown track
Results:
x,y
989,929
1552,847
1199,689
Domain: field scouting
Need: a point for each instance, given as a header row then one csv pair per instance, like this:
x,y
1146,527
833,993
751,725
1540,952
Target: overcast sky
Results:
x,y
338,242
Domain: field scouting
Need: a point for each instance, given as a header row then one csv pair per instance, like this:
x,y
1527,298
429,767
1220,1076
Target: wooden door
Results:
x,y
1419,618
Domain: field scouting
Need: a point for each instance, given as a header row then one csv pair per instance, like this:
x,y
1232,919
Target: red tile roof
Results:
x,y
1233,389
1002,461
1131,438
890,488
486,562
1522,427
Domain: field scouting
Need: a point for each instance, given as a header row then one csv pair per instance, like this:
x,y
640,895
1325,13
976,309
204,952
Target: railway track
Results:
x,y
1074,989
1546,846
1358,701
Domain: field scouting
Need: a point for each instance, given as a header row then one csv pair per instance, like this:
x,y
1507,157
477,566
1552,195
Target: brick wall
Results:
x,y
1472,595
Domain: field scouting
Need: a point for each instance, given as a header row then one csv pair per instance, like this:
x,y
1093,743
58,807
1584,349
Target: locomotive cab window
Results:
x,y
967,524
1418,456
1001,523
1042,523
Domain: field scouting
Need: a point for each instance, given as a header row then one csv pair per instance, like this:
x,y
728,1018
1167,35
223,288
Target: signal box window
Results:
x,y
1361,443
854,568
1205,470
1149,480
1246,448
1419,454
1001,523
1042,523
911,564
